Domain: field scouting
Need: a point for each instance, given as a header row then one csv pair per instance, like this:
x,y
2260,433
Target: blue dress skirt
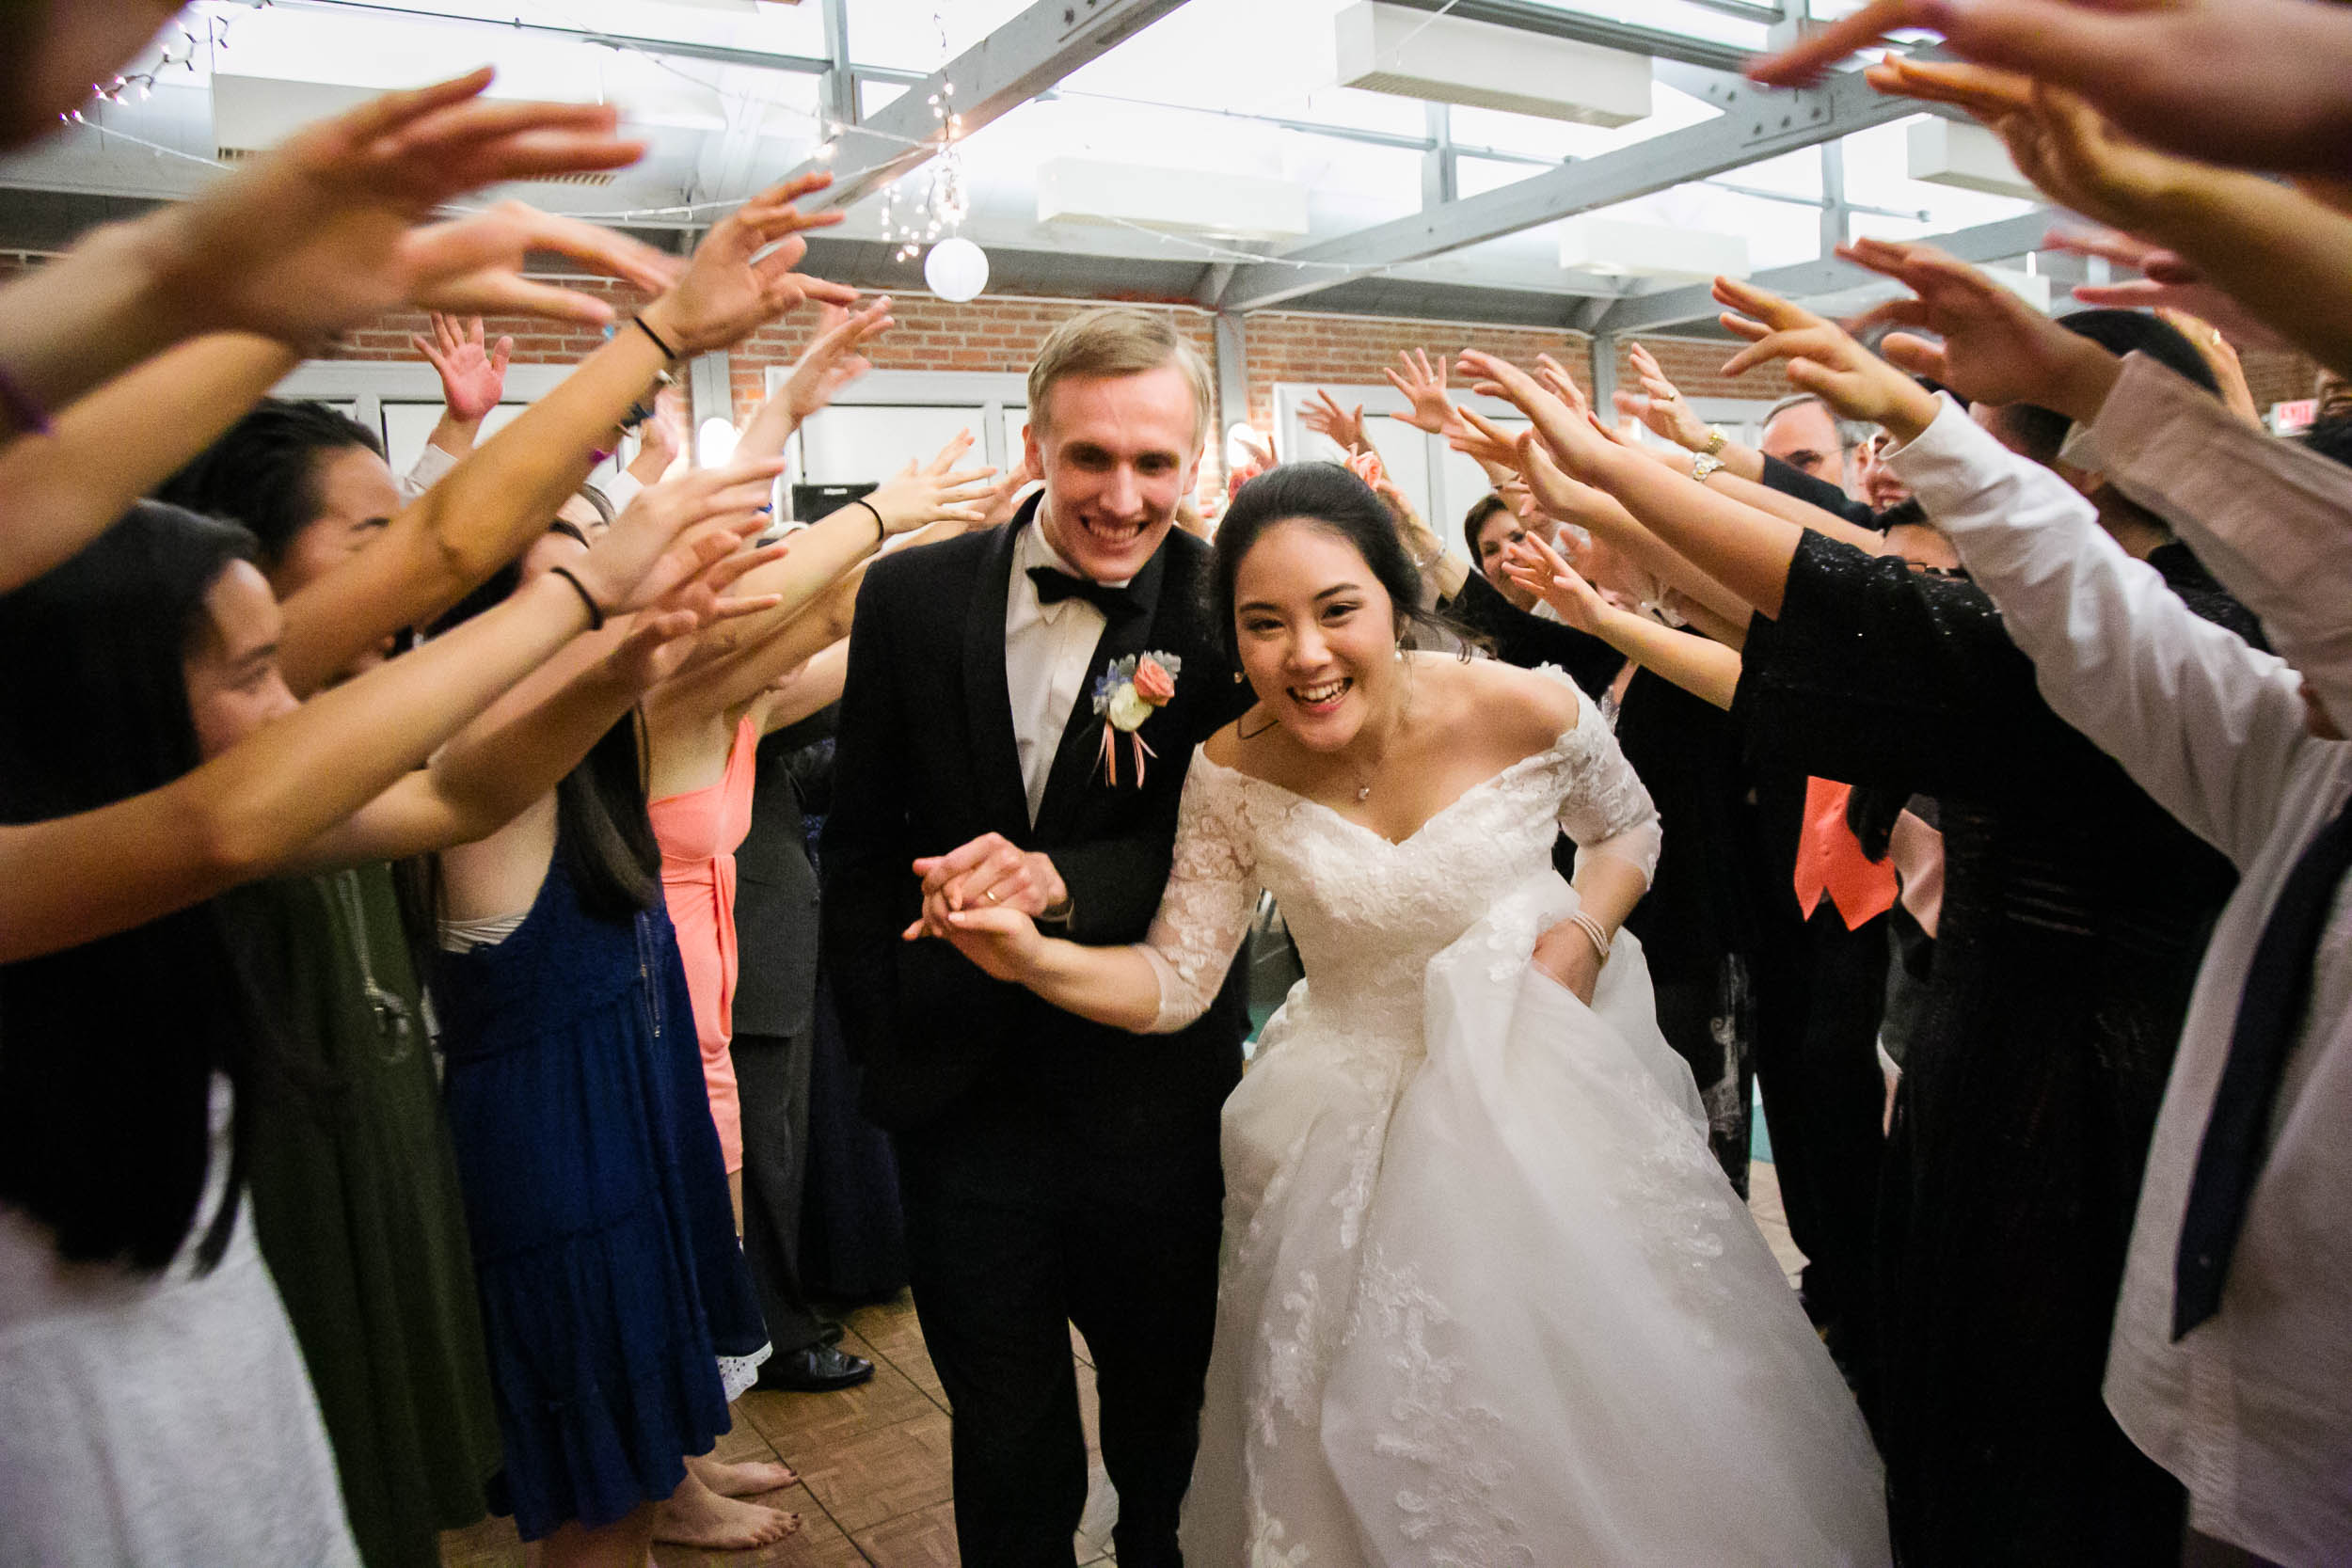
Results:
x,y
603,1241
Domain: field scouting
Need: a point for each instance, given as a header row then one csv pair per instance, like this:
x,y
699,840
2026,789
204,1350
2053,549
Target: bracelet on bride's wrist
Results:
x,y
1591,927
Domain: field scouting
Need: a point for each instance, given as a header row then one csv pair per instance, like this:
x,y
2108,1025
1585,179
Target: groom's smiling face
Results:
x,y
1117,454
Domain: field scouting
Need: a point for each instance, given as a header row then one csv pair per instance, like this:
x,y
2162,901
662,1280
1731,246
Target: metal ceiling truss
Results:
x,y
1754,123
1987,241
996,76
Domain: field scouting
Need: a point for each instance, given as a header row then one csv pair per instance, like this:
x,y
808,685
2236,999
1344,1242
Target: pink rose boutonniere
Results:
x,y
1126,693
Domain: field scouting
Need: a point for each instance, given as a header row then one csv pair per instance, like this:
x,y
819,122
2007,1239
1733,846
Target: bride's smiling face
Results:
x,y
1317,632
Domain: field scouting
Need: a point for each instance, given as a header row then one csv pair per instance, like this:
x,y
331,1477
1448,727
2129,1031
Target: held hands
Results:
x,y
473,378
736,284
1823,359
323,233
990,875
1328,418
674,531
930,493
1995,348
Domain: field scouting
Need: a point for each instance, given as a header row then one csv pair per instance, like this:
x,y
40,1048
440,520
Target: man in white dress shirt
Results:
x,y
2231,1358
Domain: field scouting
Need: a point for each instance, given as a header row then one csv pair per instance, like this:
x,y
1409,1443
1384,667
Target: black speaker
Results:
x,y
813,502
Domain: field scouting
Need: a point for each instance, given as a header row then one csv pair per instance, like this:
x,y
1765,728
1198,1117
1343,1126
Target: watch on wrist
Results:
x,y
1703,466
1057,913
1715,439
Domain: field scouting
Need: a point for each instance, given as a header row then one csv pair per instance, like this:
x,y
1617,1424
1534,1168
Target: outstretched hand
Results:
x,y
934,492
474,379
1659,404
1995,348
1557,409
1822,358
832,359
323,233
662,637
673,531
1343,426
1422,382
741,276
2168,282
2254,82
1535,566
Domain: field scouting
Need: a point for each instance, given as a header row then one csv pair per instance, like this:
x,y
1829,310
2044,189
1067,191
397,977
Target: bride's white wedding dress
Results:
x,y
1486,1299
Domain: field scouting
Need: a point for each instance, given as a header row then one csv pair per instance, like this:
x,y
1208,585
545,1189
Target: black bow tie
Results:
x,y
1055,585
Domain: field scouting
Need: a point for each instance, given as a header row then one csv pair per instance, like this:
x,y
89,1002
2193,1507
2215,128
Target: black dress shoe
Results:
x,y
819,1370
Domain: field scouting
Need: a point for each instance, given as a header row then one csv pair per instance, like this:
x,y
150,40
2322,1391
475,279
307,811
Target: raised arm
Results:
x,y
122,440
1699,665
320,234
497,501
246,811
2207,725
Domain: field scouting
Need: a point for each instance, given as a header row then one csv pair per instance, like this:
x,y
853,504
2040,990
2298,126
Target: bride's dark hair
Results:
x,y
1334,500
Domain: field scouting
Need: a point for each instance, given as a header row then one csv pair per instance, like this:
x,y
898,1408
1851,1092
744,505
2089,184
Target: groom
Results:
x,y
1054,1171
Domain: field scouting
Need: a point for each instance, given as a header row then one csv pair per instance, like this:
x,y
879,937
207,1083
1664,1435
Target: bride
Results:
x,y
1486,1299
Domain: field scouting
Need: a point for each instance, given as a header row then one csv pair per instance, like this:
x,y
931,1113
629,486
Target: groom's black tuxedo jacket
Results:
x,y
926,761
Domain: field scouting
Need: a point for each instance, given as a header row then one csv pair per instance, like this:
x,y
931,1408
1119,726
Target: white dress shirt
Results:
x,y
432,465
1048,649
2252,1410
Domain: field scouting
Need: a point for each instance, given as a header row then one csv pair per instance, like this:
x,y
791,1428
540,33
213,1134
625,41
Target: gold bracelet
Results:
x,y
1715,439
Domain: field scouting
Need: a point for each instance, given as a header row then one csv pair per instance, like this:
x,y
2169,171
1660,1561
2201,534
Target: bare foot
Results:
x,y
698,1516
740,1480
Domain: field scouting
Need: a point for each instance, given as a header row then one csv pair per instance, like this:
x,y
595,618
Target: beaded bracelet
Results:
x,y
1591,927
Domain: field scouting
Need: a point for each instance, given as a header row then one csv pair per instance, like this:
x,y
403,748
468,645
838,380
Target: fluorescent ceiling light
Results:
x,y
1179,200
1617,248
1446,59
1966,157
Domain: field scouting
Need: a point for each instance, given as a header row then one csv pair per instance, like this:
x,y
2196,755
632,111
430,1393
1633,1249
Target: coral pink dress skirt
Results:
x,y
699,832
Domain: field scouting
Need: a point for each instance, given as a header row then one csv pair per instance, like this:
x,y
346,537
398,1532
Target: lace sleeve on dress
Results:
x,y
1211,891
1606,809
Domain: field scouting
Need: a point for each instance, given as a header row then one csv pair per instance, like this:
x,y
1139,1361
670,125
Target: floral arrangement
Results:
x,y
1128,692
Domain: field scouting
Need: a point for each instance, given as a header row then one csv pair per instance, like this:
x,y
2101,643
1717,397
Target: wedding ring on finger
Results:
x,y
992,897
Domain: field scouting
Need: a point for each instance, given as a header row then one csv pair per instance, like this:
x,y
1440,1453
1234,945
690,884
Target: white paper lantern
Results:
x,y
714,443
956,269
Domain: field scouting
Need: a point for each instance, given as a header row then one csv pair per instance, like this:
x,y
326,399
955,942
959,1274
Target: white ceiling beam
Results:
x,y
1986,242
996,76
1754,123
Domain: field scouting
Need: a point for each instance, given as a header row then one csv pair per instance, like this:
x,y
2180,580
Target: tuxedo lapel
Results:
x,y
996,755
1079,758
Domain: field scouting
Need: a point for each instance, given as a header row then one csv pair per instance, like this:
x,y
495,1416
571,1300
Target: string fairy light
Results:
x,y
179,54
933,202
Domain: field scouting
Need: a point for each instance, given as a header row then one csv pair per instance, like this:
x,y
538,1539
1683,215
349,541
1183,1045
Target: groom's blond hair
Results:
x,y
1116,340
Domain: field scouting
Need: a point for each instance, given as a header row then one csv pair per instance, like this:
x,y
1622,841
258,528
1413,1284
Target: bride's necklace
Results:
x,y
1405,707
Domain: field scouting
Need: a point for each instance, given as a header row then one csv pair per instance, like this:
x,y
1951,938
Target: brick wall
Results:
x,y
1357,349
2277,376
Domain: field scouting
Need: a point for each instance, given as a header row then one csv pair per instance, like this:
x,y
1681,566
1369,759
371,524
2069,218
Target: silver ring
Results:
x,y
992,896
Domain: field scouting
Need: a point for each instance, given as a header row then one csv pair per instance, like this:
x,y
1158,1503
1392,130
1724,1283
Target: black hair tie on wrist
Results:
x,y
667,352
870,506
595,610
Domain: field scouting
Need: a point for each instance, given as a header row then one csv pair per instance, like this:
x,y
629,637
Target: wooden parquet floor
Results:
x,y
873,1460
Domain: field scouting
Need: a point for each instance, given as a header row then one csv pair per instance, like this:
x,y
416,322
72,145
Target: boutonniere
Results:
x,y
1125,694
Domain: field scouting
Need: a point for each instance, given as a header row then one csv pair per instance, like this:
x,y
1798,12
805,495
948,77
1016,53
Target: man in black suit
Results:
x,y
1054,1171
